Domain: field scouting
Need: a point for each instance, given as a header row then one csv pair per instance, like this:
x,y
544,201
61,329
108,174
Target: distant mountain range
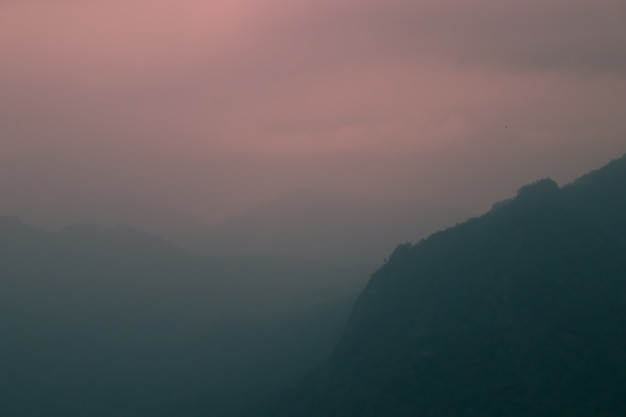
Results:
x,y
305,224
106,321
519,312
105,207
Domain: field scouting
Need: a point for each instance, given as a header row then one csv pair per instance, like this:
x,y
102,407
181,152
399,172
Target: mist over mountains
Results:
x,y
333,227
244,208
215,316
112,321
308,224
105,207
519,312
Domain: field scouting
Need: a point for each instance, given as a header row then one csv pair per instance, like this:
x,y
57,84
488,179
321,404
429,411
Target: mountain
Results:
x,y
104,321
519,312
333,227
305,224
105,207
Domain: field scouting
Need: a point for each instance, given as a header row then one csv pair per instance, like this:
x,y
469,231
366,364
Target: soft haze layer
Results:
x,y
215,106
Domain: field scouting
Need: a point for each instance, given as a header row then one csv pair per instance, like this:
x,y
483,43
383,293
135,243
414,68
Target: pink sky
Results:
x,y
219,105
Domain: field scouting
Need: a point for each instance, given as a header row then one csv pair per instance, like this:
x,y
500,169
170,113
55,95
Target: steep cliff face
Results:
x,y
521,312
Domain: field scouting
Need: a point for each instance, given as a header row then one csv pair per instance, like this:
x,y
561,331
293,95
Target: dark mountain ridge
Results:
x,y
519,312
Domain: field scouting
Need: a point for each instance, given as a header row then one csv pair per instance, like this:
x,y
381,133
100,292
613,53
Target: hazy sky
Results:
x,y
217,105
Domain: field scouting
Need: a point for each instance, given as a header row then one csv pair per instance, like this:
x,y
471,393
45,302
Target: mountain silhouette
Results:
x,y
519,312
105,207
305,224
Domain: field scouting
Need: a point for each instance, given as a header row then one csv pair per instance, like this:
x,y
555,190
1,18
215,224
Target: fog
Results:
x,y
203,203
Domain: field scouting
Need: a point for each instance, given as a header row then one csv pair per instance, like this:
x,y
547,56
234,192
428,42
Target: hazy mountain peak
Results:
x,y
105,207
6,220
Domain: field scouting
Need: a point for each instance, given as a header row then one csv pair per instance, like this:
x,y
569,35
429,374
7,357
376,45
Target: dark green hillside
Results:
x,y
521,312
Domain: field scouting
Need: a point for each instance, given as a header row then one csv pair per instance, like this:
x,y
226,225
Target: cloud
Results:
x,y
273,93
